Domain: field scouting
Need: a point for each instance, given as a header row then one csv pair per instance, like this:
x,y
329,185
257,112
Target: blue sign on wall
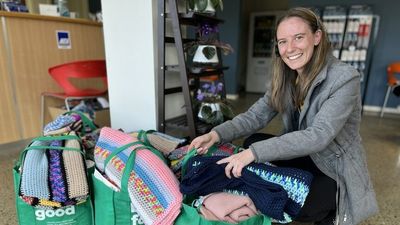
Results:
x,y
63,39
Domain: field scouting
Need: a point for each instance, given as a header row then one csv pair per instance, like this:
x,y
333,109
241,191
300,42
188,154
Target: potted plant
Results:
x,y
212,109
205,6
203,52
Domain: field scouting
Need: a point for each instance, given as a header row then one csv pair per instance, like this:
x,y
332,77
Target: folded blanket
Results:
x,y
227,207
152,187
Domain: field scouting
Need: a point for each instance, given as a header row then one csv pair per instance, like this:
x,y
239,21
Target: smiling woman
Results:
x,y
318,97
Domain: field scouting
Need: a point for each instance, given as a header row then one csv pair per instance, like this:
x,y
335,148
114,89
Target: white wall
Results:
x,y
129,45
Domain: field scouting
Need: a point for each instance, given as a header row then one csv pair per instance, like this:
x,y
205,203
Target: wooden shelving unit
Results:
x,y
189,76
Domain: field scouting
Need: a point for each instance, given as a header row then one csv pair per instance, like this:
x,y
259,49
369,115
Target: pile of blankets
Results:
x,y
276,191
52,178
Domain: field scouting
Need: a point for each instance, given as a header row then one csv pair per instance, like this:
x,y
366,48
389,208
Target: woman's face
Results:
x,y
296,42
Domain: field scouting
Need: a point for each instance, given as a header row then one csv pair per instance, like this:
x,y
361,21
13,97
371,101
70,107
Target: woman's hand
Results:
x,y
237,162
204,142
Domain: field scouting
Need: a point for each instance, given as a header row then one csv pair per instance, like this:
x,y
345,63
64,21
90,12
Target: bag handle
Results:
x,y
129,164
143,135
193,152
86,121
44,147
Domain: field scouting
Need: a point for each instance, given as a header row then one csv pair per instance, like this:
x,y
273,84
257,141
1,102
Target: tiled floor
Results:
x,y
381,138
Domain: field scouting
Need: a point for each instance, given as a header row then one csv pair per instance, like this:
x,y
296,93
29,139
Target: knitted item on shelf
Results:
x,y
34,182
75,170
56,173
152,188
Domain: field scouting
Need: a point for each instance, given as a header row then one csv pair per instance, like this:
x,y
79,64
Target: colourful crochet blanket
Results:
x,y
152,187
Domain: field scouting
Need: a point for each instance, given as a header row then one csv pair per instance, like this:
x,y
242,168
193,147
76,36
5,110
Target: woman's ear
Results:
x,y
317,37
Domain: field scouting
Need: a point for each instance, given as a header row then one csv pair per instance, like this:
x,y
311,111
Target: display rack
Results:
x,y
189,76
350,33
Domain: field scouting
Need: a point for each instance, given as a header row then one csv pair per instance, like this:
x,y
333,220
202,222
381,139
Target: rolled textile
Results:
x,y
152,187
34,180
60,122
57,173
75,170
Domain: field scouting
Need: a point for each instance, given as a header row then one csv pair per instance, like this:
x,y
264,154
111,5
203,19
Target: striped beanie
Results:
x,y
152,187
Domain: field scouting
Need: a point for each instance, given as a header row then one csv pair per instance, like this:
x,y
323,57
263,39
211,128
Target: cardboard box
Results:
x,y
102,117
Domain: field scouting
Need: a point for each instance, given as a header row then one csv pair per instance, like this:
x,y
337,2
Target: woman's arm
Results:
x,y
325,126
244,124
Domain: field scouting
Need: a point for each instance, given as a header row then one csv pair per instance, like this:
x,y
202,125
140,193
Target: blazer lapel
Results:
x,y
318,80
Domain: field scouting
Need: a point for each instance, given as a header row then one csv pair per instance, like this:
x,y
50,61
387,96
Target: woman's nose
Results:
x,y
290,46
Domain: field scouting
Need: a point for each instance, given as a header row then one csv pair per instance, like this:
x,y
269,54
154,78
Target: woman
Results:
x,y
319,100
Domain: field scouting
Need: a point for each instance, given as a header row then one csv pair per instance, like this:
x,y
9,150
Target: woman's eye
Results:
x,y
281,42
299,37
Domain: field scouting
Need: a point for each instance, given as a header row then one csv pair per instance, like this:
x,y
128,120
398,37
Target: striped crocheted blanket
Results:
x,y
152,187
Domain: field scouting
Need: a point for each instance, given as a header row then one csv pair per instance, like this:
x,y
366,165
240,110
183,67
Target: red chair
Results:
x,y
63,75
392,81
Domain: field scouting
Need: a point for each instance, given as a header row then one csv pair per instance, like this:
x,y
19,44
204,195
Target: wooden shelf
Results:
x,y
172,40
190,75
192,18
180,122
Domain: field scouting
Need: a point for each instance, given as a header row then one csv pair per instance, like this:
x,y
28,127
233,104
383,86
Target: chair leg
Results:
x,y
42,113
66,104
389,89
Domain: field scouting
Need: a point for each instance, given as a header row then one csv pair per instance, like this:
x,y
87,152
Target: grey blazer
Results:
x,y
328,131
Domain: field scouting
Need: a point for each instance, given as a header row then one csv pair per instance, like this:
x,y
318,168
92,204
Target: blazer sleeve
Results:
x,y
343,96
244,124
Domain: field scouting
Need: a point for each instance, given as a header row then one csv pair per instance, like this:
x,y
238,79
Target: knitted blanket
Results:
x,y
162,142
204,176
152,187
75,171
62,124
34,174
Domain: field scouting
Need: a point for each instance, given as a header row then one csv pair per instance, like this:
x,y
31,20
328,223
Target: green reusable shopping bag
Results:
x,y
115,207
81,214
190,215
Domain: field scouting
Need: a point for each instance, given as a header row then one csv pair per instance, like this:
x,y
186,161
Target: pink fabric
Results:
x,y
227,207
